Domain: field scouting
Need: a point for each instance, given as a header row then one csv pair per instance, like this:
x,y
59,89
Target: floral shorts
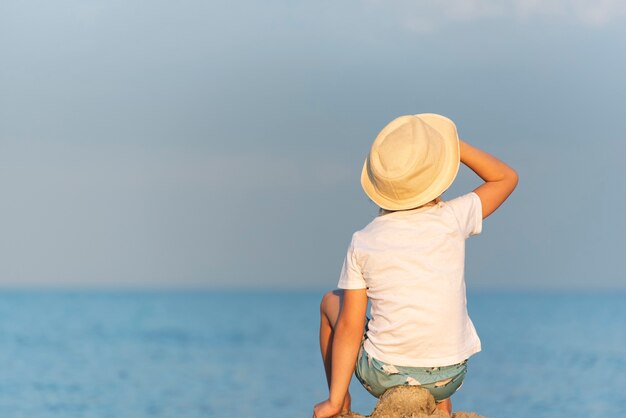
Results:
x,y
377,377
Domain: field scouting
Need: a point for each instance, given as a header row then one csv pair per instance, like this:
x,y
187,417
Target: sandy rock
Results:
x,y
408,402
404,401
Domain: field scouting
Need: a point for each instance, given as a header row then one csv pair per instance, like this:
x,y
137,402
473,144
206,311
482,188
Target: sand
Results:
x,y
408,402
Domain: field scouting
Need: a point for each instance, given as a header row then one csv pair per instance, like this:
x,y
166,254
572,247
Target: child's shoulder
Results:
x,y
464,212
466,199
467,210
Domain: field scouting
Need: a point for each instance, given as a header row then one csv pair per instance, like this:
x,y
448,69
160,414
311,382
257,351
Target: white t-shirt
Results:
x,y
412,264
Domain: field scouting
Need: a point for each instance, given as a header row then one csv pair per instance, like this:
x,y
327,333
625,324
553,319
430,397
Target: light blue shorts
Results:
x,y
377,377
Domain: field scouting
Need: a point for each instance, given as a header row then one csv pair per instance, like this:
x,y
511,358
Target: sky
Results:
x,y
218,144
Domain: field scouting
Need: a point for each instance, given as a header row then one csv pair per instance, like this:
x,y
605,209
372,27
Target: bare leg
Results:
x,y
445,406
330,308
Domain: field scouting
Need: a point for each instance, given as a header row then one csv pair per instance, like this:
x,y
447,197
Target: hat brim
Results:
x,y
448,172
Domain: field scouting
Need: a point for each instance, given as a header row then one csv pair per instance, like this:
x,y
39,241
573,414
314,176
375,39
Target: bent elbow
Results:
x,y
512,178
508,184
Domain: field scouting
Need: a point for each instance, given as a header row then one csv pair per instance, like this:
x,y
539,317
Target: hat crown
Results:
x,y
412,161
394,152
405,158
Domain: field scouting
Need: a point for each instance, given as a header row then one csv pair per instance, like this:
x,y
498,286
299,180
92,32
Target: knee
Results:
x,y
328,299
331,305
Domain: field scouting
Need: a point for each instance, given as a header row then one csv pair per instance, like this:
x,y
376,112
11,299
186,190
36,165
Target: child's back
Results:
x,y
412,264
409,262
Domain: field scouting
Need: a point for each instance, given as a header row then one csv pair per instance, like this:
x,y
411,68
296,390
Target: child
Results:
x,y
409,262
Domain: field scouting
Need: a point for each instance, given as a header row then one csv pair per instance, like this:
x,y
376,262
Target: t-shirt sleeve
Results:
x,y
468,211
351,276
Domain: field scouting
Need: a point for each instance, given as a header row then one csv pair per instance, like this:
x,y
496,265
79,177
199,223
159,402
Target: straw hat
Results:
x,y
412,161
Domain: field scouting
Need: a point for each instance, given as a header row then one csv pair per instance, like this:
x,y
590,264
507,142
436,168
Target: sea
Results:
x,y
244,354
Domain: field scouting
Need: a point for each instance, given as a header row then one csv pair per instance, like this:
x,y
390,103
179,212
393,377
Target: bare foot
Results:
x,y
445,406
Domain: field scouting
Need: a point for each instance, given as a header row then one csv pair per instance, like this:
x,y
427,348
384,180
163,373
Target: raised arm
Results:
x,y
346,342
500,179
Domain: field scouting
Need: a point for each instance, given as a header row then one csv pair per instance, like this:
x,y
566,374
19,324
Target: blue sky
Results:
x,y
219,144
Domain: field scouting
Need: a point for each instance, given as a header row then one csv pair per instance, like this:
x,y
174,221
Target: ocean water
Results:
x,y
255,354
